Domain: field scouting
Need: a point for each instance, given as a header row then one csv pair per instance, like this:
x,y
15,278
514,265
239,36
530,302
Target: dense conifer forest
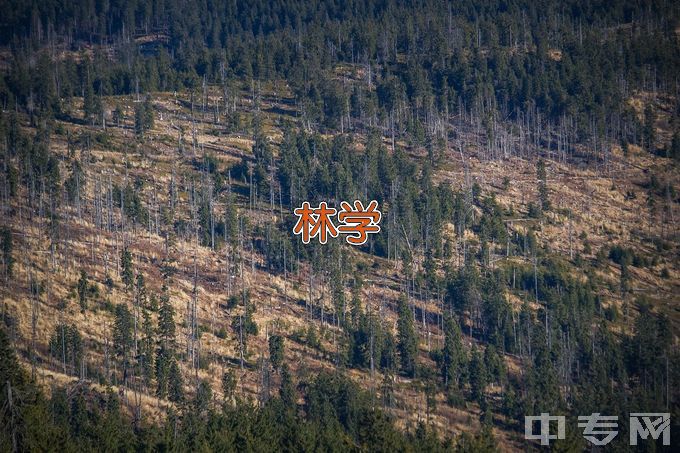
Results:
x,y
525,157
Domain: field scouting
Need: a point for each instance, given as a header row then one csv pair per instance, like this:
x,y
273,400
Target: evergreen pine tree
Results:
x,y
276,351
228,385
407,339
122,336
479,377
166,343
175,383
166,320
92,104
163,359
648,130
7,259
453,354
66,346
495,365
82,290
203,397
147,347
127,275
139,120
287,390
674,150
144,117
544,384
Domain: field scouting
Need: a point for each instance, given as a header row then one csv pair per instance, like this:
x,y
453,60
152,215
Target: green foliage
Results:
x,y
625,148
533,211
312,338
495,365
92,104
129,201
166,320
203,397
625,278
479,377
276,351
333,400
287,392
140,292
127,274
454,358
417,69
544,385
118,114
24,423
337,414
249,324
143,116
108,281
7,246
471,62
122,336
82,288
146,347
231,220
674,148
481,442
626,256
175,382
66,346
12,178
648,130
244,325
315,169
76,182
70,419
407,339
228,384
370,341
162,372
649,348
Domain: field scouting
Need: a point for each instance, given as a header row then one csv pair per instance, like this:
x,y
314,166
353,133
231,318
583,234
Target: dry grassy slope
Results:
x,y
598,209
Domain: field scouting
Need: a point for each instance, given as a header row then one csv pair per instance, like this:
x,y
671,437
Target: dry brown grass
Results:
x,y
595,199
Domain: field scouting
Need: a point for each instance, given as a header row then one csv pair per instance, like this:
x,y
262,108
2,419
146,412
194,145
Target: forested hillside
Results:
x,y
525,158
